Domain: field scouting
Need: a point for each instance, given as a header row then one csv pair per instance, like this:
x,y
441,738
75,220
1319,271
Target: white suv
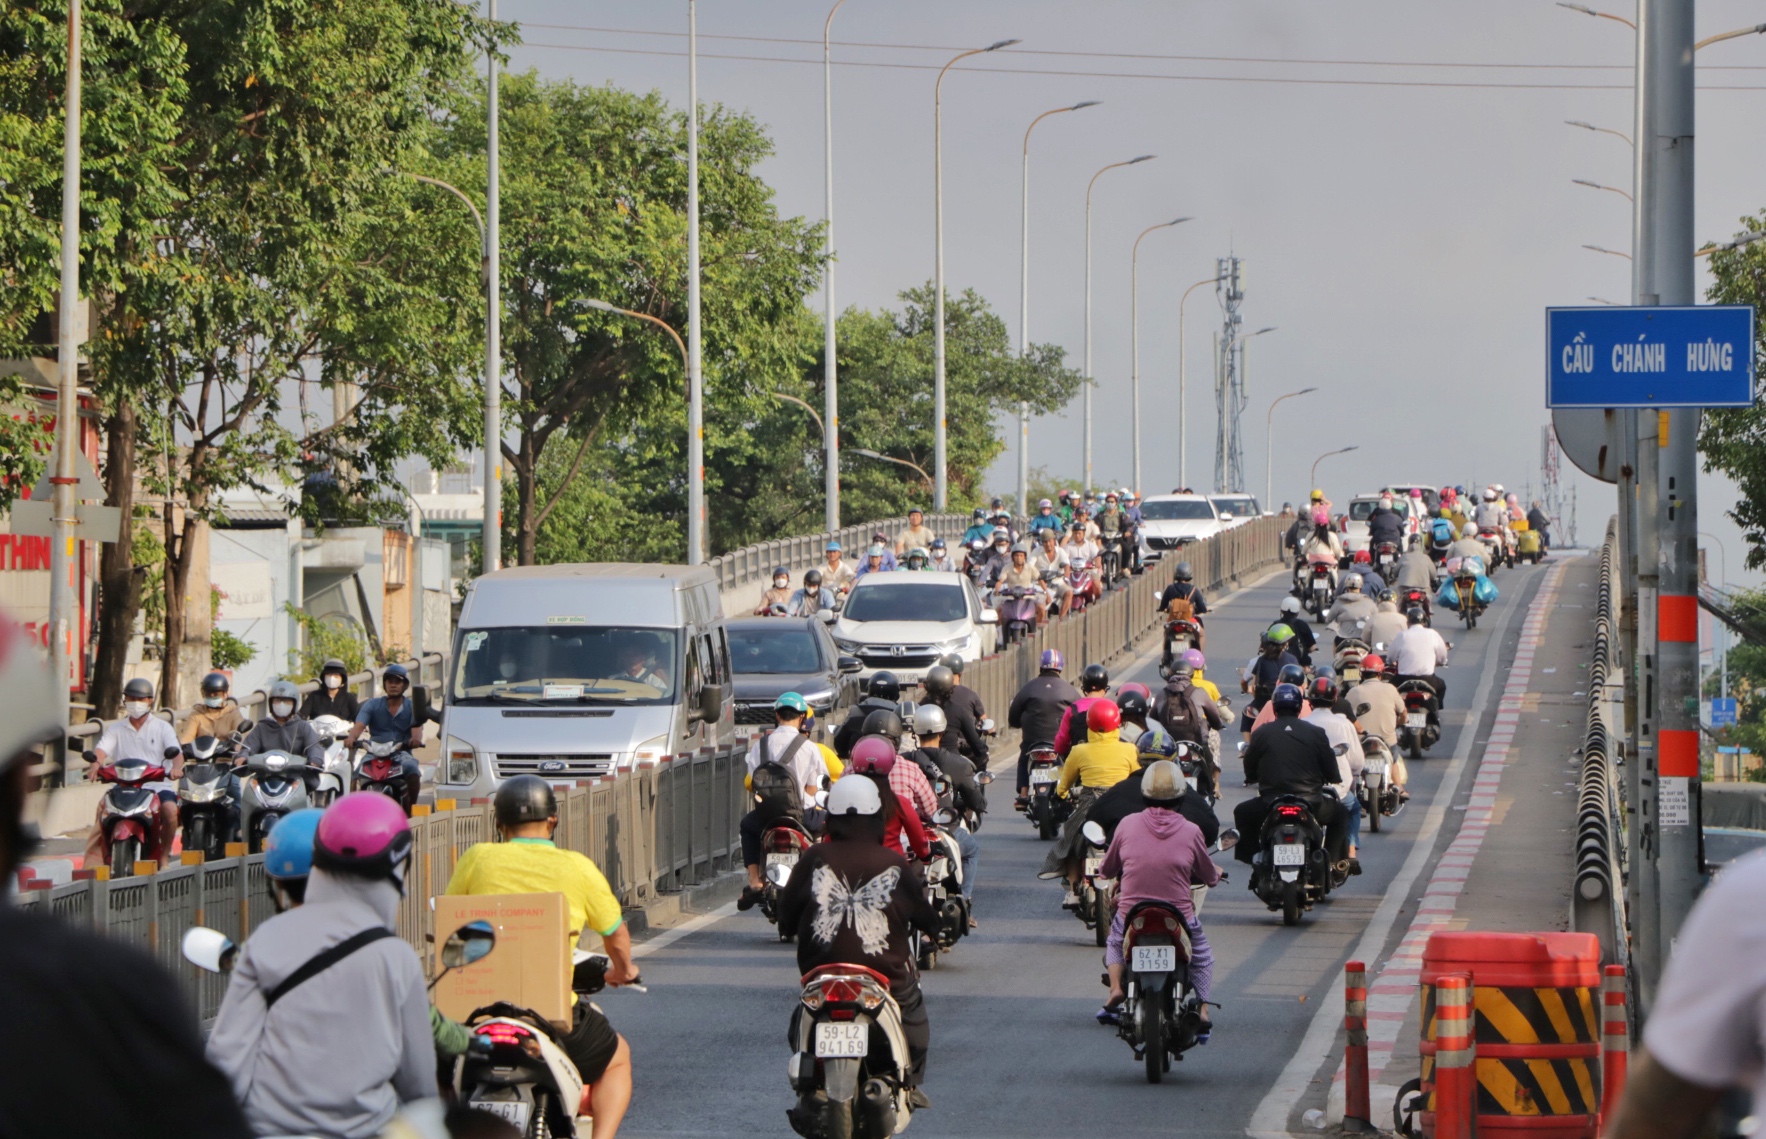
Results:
x,y
1171,521
904,621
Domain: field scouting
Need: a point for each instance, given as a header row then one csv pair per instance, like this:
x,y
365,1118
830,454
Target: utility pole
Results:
x,y
64,517
695,376
830,367
1229,391
493,322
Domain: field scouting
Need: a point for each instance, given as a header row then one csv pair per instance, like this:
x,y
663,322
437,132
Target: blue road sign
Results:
x,y
1692,356
1722,711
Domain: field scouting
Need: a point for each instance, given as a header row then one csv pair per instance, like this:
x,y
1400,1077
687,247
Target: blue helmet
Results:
x,y
288,850
1052,659
1155,745
1287,700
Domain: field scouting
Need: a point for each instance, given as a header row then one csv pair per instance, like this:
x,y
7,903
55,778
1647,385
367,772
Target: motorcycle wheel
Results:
x,y
1290,903
196,834
1416,745
837,1119
1153,1036
1046,826
1373,815
1101,924
124,853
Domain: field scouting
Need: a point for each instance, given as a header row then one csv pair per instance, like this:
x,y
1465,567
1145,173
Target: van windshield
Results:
x,y
902,601
1174,510
1240,507
576,664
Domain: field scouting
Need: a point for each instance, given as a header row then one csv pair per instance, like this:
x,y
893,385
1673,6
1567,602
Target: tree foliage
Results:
x,y
1733,440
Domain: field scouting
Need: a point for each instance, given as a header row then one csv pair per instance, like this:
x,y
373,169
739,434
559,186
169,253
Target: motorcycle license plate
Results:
x,y
1041,775
1351,675
1319,585
514,1111
782,858
842,1041
1376,767
1093,863
1417,719
1290,854
1154,958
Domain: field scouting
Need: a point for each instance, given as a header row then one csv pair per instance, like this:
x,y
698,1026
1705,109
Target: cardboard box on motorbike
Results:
x,y
530,966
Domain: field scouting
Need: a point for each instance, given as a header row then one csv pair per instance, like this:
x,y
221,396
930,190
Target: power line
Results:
x,y
1062,73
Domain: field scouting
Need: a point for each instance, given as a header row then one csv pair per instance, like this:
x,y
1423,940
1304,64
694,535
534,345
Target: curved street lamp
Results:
x,y
1134,323
1609,189
1269,445
1312,476
915,467
1087,401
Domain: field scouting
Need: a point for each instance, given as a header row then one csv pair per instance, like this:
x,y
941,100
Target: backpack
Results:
x,y
1181,609
1177,711
775,784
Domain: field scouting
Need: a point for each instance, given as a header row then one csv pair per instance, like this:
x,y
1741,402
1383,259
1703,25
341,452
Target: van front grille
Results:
x,y
554,766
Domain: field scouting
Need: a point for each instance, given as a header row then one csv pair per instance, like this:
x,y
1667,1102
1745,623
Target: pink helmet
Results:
x,y
873,755
1321,518
1194,660
364,834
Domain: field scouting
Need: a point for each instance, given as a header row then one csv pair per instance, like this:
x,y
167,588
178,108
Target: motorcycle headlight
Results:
x,y
201,793
459,762
651,751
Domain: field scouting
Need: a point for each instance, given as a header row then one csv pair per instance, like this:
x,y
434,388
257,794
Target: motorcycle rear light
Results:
x,y
504,1033
1289,812
1153,922
813,999
842,1013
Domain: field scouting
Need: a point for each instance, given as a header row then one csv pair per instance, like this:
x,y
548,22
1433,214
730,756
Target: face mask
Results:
x,y
281,709
137,708
334,682
781,582
214,701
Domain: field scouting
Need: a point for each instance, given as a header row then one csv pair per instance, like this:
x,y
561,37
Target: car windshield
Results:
x,y
1726,844
576,664
771,651
1241,507
1172,510
903,601
1361,508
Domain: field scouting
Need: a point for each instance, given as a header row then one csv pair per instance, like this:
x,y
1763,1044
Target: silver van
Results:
x,y
575,671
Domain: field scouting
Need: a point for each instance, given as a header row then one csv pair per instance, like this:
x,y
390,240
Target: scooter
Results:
x,y
944,891
128,815
1346,657
1379,796
381,769
1045,811
1386,559
781,845
1160,1017
1419,598
1079,580
331,776
1291,869
1110,559
1320,594
1097,894
1497,541
1422,717
1017,612
272,785
206,808
1180,638
849,1057
1196,761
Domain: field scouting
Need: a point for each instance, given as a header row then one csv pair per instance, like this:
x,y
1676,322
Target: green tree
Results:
x,y
1733,440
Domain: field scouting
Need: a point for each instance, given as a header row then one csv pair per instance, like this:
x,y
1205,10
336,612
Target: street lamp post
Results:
x,y
1600,130
1609,189
1269,446
939,491
493,317
1312,476
1024,307
1608,252
1183,427
1723,574
695,377
830,382
1134,335
1087,404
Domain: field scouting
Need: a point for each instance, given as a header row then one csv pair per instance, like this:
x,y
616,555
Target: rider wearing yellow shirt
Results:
x,y
527,862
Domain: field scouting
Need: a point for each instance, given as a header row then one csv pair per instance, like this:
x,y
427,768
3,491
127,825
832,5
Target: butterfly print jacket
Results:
x,y
852,903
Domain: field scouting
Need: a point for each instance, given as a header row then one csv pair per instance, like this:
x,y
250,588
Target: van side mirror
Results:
x,y
711,702
422,711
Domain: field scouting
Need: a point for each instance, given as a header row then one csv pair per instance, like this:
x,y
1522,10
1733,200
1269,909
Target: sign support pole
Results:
x,y
64,624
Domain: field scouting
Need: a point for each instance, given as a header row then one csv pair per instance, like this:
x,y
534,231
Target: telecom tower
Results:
x,y
1551,491
1229,378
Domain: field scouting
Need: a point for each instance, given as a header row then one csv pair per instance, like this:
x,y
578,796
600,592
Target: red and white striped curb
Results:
x,y
1390,993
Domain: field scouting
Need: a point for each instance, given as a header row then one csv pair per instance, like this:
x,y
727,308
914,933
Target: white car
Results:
x,y
1171,521
1355,530
903,622
1235,509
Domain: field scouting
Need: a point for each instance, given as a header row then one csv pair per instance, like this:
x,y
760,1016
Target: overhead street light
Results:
x,y
938,425
1024,305
1604,301
1609,252
921,471
1744,239
1183,446
1087,403
1600,130
1134,324
1587,11
820,426
1312,477
1269,445
1757,29
1609,189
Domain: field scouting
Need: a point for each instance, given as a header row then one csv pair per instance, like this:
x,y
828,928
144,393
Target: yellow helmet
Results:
x,y
1318,496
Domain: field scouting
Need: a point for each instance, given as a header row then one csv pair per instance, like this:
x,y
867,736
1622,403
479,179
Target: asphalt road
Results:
x,y
1015,1049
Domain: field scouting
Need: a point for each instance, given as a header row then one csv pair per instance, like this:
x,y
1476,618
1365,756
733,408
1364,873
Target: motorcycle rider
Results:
x,y
1079,544
1386,623
918,560
917,535
1038,711
1183,588
890,562
391,717
1186,712
138,734
941,559
999,558
1051,567
1290,756
1378,711
1323,695
812,598
1126,799
1418,652
1155,855
845,868
216,714
1021,574
940,685
1469,545
1291,674
1361,566
967,796
1094,682
877,560
282,730
1538,520
1260,675
369,981
1352,609
1135,701
789,747
1417,570
1293,616
875,758
779,594
1491,513
980,526
1044,519
1324,545
1092,768
333,696
1113,529
1386,524
882,693
528,862
837,573
120,1026
961,693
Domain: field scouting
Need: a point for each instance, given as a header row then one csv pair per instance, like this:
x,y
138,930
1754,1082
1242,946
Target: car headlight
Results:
x,y
847,646
651,751
819,701
961,644
459,762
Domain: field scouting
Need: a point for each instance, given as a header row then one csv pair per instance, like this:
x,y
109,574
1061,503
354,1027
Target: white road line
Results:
x,y
1270,1120
673,934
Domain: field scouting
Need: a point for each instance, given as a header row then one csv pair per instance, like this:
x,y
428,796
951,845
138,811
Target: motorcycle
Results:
x,y
1045,811
381,769
1292,870
944,891
1386,559
1496,538
272,785
1097,894
1529,545
1319,591
128,814
331,777
1379,796
1017,612
1180,638
1160,1017
1079,580
206,809
781,845
1465,587
1347,658
849,1057
1422,717
1110,558
1196,761
1419,598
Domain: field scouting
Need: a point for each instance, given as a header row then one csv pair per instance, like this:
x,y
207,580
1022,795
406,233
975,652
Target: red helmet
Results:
x,y
1363,557
1134,687
1103,716
873,755
1373,662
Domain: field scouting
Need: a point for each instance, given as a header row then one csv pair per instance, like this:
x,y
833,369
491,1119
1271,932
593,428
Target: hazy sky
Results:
x,y
1395,176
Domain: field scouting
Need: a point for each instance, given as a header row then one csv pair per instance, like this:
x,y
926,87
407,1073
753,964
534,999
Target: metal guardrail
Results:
x,y
652,832
1597,900
756,563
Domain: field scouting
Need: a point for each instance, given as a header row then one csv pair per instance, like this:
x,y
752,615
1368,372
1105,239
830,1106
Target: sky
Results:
x,y
1395,176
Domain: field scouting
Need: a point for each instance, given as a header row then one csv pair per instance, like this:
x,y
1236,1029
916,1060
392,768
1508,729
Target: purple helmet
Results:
x,y
1194,660
1052,659
364,834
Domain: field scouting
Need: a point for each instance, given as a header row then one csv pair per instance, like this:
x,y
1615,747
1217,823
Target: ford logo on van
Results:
x,y
552,766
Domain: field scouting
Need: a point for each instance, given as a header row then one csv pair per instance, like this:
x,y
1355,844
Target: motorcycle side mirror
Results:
x,y
943,818
471,942
1226,702
174,752
984,777
825,616
89,755
906,709
209,949
421,712
1094,833
1241,745
821,799
990,617
850,665
1229,838
778,874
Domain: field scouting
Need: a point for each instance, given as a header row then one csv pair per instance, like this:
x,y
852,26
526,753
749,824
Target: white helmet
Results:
x,y
1290,604
1352,583
1470,530
854,795
929,720
1161,782
1489,494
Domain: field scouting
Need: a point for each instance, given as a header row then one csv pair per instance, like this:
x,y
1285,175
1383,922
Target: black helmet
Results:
x,y
1414,614
524,799
1182,572
813,578
1324,690
884,685
952,661
1287,700
1133,705
394,672
215,682
337,666
884,722
140,688
1291,674
1094,678
939,680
